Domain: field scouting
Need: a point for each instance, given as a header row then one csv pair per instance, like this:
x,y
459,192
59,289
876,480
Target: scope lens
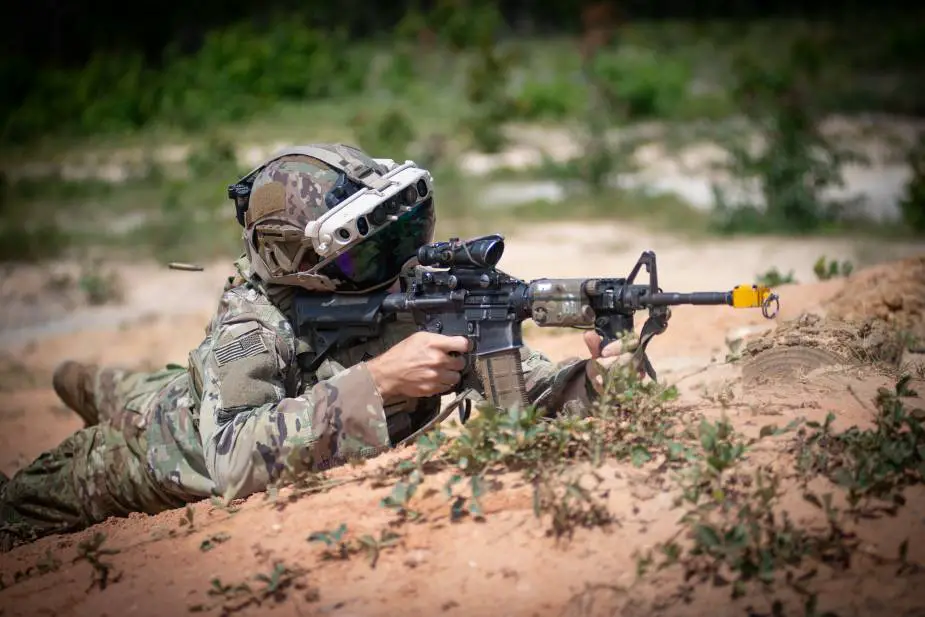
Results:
x,y
343,233
422,188
362,226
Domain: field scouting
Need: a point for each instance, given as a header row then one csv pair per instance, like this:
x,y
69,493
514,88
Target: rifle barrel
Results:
x,y
697,297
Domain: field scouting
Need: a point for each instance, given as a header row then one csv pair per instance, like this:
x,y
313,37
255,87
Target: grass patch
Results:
x,y
167,218
182,213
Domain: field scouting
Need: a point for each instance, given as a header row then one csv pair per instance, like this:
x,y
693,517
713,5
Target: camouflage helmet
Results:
x,y
278,200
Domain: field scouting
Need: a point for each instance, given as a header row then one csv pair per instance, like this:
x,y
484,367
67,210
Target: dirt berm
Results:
x,y
776,536
893,293
877,315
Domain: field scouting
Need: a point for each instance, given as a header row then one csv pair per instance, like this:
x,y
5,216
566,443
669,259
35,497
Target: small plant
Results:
x,y
629,421
569,503
92,552
732,534
825,269
48,563
338,546
774,278
402,492
876,463
256,590
213,540
225,506
189,519
100,286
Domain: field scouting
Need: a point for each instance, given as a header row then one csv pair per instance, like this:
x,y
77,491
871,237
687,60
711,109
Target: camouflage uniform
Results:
x,y
231,422
243,409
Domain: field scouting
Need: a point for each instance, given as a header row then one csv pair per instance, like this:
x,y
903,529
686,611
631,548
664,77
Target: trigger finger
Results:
x,y
455,362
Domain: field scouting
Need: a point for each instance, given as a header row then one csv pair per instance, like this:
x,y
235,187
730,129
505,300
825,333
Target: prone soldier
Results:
x,y
245,406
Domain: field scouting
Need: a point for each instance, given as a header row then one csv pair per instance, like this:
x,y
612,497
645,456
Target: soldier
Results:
x,y
243,409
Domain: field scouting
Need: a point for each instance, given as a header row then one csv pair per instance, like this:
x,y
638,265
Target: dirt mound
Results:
x,y
811,342
577,540
893,293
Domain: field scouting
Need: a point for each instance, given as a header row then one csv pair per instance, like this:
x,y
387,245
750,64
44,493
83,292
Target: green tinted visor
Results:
x,y
380,257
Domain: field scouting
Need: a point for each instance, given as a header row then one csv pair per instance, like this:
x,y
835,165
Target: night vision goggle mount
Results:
x,y
380,199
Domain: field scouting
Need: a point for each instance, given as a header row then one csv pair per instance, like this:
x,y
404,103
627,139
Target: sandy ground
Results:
x,y
506,564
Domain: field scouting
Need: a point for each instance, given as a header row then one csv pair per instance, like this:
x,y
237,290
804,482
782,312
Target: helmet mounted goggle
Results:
x,y
362,203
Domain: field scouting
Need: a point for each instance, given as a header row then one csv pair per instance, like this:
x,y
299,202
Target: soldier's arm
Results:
x,y
251,430
559,386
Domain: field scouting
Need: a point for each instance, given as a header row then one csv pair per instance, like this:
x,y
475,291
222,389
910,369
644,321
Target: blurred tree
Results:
x,y
61,33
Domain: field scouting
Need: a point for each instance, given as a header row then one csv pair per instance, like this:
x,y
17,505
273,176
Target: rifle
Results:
x,y
456,290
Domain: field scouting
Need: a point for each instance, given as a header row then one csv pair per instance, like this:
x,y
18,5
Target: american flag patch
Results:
x,y
248,345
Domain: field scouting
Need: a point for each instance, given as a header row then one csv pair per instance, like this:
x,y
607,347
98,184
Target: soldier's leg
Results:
x,y
96,473
108,394
96,393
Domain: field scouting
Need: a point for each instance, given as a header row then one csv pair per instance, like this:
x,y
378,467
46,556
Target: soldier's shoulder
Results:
x,y
246,302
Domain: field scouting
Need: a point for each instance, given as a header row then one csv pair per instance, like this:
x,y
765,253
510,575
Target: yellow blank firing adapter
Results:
x,y
367,210
755,296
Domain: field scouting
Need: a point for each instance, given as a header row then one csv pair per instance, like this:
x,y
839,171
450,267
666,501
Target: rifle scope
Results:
x,y
482,252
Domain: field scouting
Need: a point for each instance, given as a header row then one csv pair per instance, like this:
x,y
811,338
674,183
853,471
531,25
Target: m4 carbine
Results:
x,y
456,290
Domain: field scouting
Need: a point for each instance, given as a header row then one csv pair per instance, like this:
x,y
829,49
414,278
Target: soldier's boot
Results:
x,y
75,385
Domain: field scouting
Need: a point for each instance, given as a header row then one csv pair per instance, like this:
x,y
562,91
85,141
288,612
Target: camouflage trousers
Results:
x,y
98,472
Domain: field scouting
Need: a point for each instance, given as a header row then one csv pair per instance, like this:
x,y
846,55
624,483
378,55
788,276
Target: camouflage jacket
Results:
x,y
244,410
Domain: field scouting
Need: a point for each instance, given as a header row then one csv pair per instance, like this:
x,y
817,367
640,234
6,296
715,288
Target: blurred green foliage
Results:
x,y
448,79
237,71
795,163
913,203
663,70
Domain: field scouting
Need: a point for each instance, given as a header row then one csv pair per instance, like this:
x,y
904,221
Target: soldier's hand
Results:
x,y
619,352
419,366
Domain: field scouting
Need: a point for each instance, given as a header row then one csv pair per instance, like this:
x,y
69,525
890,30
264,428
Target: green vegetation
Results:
x,y
257,590
658,70
825,269
92,551
338,544
913,203
443,86
773,278
734,532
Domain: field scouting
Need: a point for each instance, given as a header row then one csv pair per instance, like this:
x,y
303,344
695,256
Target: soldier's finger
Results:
x,y
453,362
448,378
459,344
616,348
593,341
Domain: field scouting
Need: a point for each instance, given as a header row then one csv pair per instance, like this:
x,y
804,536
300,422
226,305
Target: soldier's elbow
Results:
x,y
232,472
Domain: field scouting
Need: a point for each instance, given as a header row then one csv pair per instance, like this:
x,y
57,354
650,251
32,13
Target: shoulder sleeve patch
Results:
x,y
248,343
